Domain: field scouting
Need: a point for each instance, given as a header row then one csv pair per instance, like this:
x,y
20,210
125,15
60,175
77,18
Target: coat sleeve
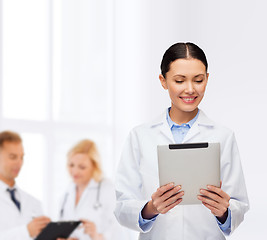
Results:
x,y
21,231
128,185
16,233
233,182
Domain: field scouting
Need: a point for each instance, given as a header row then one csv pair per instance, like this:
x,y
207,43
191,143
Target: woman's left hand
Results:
x,y
216,200
90,229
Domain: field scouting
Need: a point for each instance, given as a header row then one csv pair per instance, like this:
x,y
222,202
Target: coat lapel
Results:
x,y
163,126
166,131
202,120
193,131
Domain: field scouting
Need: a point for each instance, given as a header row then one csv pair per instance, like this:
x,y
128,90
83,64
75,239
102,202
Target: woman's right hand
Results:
x,y
163,200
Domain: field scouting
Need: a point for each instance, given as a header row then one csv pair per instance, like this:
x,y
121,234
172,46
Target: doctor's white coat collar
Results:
x,y
164,128
92,185
4,186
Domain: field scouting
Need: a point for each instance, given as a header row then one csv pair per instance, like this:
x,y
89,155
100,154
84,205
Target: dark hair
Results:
x,y
179,51
9,136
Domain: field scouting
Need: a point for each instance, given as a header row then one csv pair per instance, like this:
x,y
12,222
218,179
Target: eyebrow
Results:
x,y
179,75
200,75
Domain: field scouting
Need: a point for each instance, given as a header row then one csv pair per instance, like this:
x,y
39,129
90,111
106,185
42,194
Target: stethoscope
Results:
x,y
96,205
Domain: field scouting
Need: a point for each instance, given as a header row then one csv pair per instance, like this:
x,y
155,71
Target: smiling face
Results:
x,y
186,82
11,160
80,169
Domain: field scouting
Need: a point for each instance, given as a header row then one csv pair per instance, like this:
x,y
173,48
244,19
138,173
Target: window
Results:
x,y
57,87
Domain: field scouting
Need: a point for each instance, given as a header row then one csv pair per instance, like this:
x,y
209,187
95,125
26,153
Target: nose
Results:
x,y
73,171
189,88
19,161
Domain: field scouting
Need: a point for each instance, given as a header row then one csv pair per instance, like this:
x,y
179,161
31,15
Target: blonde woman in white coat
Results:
x,y
156,211
90,198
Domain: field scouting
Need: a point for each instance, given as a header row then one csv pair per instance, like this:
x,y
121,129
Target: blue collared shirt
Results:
x,y
179,132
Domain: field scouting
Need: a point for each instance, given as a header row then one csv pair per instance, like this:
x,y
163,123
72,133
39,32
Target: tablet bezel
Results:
x,y
191,165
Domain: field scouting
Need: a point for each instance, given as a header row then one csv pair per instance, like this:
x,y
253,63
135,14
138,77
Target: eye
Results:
x,y
199,81
12,156
71,165
82,167
179,81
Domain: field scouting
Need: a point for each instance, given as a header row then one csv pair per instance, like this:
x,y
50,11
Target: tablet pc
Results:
x,y
56,230
191,165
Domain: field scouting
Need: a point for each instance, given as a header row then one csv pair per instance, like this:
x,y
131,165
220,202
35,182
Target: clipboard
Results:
x,y
191,165
56,230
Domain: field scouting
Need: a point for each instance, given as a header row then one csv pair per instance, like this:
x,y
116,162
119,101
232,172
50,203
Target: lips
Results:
x,y
16,171
188,99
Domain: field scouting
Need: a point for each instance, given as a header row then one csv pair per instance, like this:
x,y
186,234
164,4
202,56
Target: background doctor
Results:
x,y
20,213
156,211
90,198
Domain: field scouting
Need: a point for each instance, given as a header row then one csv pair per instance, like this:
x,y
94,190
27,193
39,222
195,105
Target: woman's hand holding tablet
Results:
x,y
216,200
164,199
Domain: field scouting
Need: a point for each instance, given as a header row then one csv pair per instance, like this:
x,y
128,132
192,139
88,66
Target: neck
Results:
x,y
9,182
80,187
180,117
79,191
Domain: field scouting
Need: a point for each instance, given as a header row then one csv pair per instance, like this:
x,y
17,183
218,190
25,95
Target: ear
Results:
x,y
163,82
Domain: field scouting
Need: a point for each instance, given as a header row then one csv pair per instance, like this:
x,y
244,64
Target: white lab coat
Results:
x,y
103,216
137,179
13,223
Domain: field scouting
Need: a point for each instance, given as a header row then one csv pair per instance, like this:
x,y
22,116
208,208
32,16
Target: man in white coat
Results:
x,y
21,214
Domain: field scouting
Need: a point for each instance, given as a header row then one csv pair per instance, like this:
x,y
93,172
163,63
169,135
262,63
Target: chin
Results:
x,y
79,182
76,181
15,175
189,109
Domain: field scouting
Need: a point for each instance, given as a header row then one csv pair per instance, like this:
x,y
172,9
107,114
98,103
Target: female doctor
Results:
x,y
156,211
90,197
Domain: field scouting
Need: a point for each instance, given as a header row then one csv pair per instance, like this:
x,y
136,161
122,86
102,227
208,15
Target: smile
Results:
x,y
188,99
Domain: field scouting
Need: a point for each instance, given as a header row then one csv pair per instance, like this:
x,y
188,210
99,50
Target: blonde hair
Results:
x,y
89,148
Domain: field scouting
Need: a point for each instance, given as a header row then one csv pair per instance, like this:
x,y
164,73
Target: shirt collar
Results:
x,y
172,123
202,120
4,186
